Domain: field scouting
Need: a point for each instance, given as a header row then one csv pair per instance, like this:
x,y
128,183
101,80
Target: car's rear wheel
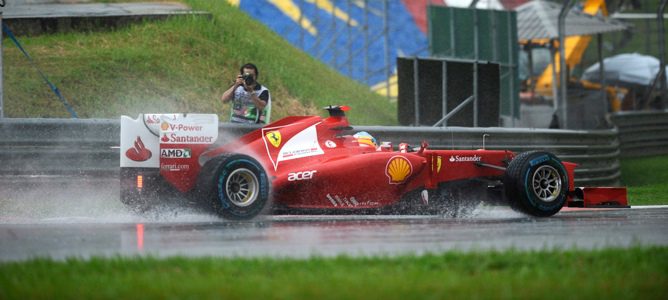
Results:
x,y
241,187
536,183
235,185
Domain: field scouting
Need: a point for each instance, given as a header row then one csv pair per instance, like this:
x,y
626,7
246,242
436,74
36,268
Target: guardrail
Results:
x,y
642,133
46,147
58,147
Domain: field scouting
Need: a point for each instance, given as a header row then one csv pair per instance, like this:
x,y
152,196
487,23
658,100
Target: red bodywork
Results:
x,y
312,164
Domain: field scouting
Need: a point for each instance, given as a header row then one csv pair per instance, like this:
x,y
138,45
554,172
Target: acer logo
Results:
x,y
138,152
306,175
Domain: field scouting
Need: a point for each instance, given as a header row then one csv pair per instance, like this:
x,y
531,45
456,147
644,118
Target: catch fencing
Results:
x,y
65,147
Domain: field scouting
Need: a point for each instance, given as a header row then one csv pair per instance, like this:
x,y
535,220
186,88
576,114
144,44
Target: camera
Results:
x,y
248,79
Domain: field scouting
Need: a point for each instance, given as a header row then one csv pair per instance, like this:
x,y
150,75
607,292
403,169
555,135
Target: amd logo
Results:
x,y
175,153
306,175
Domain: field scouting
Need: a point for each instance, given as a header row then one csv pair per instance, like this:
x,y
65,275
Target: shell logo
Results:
x,y
164,126
398,169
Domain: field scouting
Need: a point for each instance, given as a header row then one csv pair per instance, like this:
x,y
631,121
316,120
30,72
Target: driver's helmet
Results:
x,y
365,139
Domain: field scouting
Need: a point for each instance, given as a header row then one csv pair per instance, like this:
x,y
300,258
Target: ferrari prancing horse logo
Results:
x,y
274,138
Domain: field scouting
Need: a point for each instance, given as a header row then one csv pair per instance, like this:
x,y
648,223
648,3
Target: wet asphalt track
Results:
x,y
84,218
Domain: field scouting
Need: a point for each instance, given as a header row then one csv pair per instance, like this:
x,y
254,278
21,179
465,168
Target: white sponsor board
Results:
x,y
140,137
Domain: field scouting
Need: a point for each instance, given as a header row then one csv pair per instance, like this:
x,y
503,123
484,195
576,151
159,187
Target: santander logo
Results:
x,y
457,158
139,151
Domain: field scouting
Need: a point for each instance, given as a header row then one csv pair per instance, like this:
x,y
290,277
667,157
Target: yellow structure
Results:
x,y
574,49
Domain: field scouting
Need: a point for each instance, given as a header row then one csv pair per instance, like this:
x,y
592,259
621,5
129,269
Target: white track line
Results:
x,y
648,206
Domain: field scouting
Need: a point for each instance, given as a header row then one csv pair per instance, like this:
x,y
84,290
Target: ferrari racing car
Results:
x,y
314,164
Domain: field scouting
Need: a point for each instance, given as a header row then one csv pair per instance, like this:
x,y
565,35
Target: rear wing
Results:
x,y
151,138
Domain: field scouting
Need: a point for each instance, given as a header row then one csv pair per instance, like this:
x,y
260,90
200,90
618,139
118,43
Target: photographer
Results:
x,y
251,102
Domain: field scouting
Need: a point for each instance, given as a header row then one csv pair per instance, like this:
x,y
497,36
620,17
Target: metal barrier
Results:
x,y
59,147
642,133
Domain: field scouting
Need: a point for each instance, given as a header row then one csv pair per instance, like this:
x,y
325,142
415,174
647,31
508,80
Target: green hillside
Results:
x,y
180,65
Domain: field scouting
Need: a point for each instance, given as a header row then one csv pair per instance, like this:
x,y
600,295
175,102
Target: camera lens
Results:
x,y
248,79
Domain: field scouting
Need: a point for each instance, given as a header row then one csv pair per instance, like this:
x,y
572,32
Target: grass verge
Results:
x,y
636,273
182,65
646,179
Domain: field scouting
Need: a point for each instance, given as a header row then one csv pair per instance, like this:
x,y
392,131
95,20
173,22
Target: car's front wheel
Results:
x,y
536,183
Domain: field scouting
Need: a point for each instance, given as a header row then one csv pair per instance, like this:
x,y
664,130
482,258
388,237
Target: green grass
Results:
x,y
183,65
646,179
636,273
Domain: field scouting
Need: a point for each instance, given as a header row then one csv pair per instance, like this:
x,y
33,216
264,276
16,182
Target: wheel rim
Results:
x,y
546,183
242,187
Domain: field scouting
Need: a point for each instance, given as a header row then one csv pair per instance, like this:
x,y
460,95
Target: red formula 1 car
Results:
x,y
309,163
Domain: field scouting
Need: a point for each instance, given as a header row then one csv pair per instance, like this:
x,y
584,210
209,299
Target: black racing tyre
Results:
x,y
235,185
536,183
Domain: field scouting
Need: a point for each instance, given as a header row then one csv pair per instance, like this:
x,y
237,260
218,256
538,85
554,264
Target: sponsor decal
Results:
x,y
176,153
330,144
138,152
174,167
174,138
436,162
306,175
398,169
286,155
538,160
457,158
152,119
274,138
345,200
334,203
342,201
165,126
190,129
292,146
183,127
139,144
